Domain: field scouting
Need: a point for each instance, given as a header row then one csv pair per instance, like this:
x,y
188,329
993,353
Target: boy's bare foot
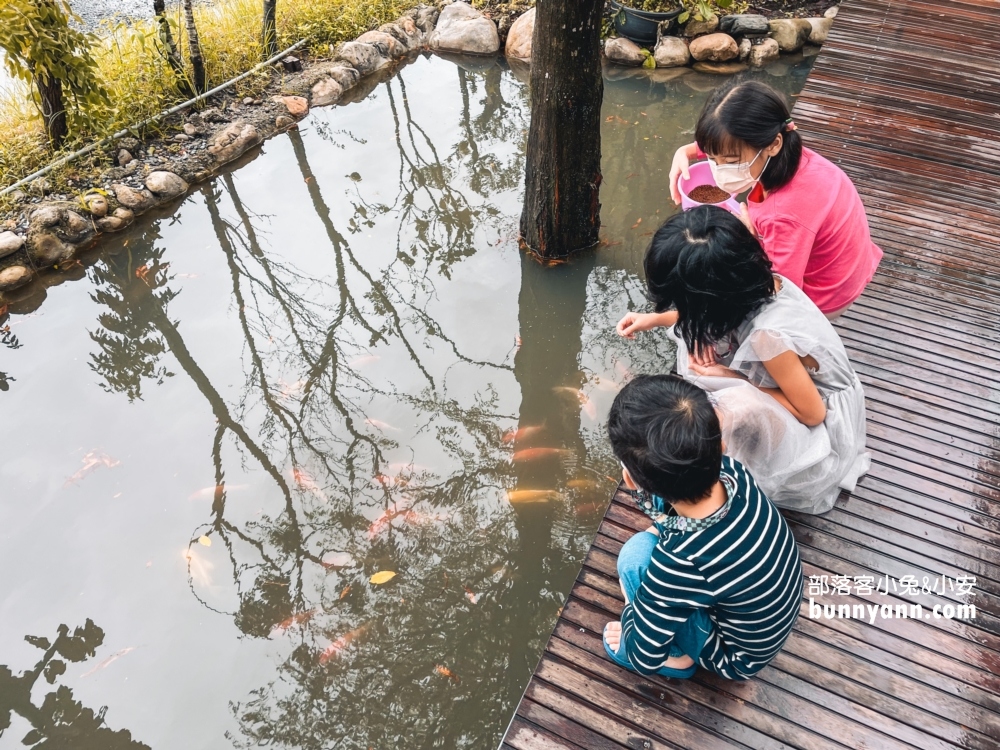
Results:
x,y
613,636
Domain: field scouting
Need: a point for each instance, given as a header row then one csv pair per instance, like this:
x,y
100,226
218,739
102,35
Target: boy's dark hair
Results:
x,y
706,264
666,433
753,113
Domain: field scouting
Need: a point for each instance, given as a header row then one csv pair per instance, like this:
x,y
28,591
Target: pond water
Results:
x,y
225,421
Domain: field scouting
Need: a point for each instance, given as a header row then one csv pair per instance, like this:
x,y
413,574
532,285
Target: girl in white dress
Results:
x,y
791,405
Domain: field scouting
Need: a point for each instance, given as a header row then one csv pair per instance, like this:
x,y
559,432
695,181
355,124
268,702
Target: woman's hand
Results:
x,y
679,168
713,370
634,322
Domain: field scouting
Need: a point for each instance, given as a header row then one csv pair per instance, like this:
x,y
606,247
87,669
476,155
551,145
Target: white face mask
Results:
x,y
735,178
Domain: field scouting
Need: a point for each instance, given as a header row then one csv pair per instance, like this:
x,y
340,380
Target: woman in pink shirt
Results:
x,y
804,210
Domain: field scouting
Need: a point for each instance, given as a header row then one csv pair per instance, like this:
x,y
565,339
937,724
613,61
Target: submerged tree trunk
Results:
x,y
53,108
561,211
270,29
194,48
170,48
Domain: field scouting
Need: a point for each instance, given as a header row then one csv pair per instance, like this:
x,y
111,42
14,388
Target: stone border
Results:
x,y
50,232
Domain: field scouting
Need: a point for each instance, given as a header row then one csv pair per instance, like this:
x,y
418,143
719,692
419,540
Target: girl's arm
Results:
x,y
634,322
796,390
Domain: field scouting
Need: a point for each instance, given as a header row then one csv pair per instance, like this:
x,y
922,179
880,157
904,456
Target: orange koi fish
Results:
x,y
338,646
92,461
533,454
305,482
299,618
380,425
522,433
445,672
114,657
532,496
386,517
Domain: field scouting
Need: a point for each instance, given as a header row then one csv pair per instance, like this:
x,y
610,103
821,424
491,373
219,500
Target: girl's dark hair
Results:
x,y
666,433
753,113
706,264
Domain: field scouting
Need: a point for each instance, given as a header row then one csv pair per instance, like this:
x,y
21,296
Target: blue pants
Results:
x,y
690,637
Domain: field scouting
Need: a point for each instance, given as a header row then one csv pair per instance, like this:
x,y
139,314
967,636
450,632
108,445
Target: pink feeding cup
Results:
x,y
701,174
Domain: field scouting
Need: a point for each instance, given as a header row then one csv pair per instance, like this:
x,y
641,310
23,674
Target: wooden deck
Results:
x,y
905,97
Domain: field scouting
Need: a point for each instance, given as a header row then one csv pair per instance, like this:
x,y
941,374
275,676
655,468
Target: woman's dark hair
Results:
x,y
753,113
666,433
706,264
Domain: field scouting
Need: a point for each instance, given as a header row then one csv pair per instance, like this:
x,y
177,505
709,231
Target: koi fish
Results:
x,y
338,646
532,496
566,390
299,618
606,384
209,492
386,518
582,484
533,454
305,482
471,595
364,360
522,433
445,672
290,390
387,481
114,657
380,425
92,461
589,409
199,570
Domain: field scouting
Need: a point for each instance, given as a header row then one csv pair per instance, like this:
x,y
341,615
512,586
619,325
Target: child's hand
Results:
x,y
613,635
634,322
713,370
679,168
702,356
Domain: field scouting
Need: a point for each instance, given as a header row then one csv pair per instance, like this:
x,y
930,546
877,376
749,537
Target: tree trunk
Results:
x,y
270,29
53,109
171,53
194,47
563,174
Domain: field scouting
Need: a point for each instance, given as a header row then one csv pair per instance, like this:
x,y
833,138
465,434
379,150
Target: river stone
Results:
x,y
820,29
46,216
671,52
462,28
232,141
720,68
14,276
519,36
97,204
343,74
426,17
326,92
696,28
136,200
745,45
166,185
282,122
77,226
386,44
405,29
47,249
714,47
124,157
623,51
364,58
765,52
297,106
790,33
10,243
192,130
109,224
744,23
831,12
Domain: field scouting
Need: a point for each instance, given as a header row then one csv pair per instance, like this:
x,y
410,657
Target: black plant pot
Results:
x,y
639,25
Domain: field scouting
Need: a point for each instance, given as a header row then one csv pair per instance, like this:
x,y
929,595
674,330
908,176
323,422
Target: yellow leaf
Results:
x,y
205,541
383,576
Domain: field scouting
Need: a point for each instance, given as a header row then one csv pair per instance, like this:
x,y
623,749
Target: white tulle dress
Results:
x,y
798,467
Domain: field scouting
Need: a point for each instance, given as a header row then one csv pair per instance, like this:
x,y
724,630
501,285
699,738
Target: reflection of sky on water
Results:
x,y
314,363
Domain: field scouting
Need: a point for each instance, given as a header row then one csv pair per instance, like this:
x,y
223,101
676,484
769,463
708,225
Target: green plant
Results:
x,y
44,50
702,10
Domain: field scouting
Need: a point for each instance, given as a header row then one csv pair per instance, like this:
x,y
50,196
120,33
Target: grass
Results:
x,y
140,83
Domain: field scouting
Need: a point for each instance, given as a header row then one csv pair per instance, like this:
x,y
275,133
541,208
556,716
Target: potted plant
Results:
x,y
643,21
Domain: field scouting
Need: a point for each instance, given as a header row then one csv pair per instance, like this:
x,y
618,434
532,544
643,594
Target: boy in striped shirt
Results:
x,y
716,581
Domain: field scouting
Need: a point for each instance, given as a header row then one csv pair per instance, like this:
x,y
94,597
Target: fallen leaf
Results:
x,y
383,576
445,672
346,591
637,223
204,541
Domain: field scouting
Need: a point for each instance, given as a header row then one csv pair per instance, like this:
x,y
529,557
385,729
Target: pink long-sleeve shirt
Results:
x,y
815,232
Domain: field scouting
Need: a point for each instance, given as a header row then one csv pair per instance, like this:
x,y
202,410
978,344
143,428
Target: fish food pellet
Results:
x,y
708,194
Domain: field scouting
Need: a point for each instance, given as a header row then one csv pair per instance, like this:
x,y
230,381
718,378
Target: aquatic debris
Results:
x,y
471,595
533,454
299,618
445,672
345,592
336,560
204,541
142,273
92,461
338,646
533,496
383,576
522,433
113,658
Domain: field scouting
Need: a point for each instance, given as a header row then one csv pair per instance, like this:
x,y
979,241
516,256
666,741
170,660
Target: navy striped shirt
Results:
x,y
744,570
